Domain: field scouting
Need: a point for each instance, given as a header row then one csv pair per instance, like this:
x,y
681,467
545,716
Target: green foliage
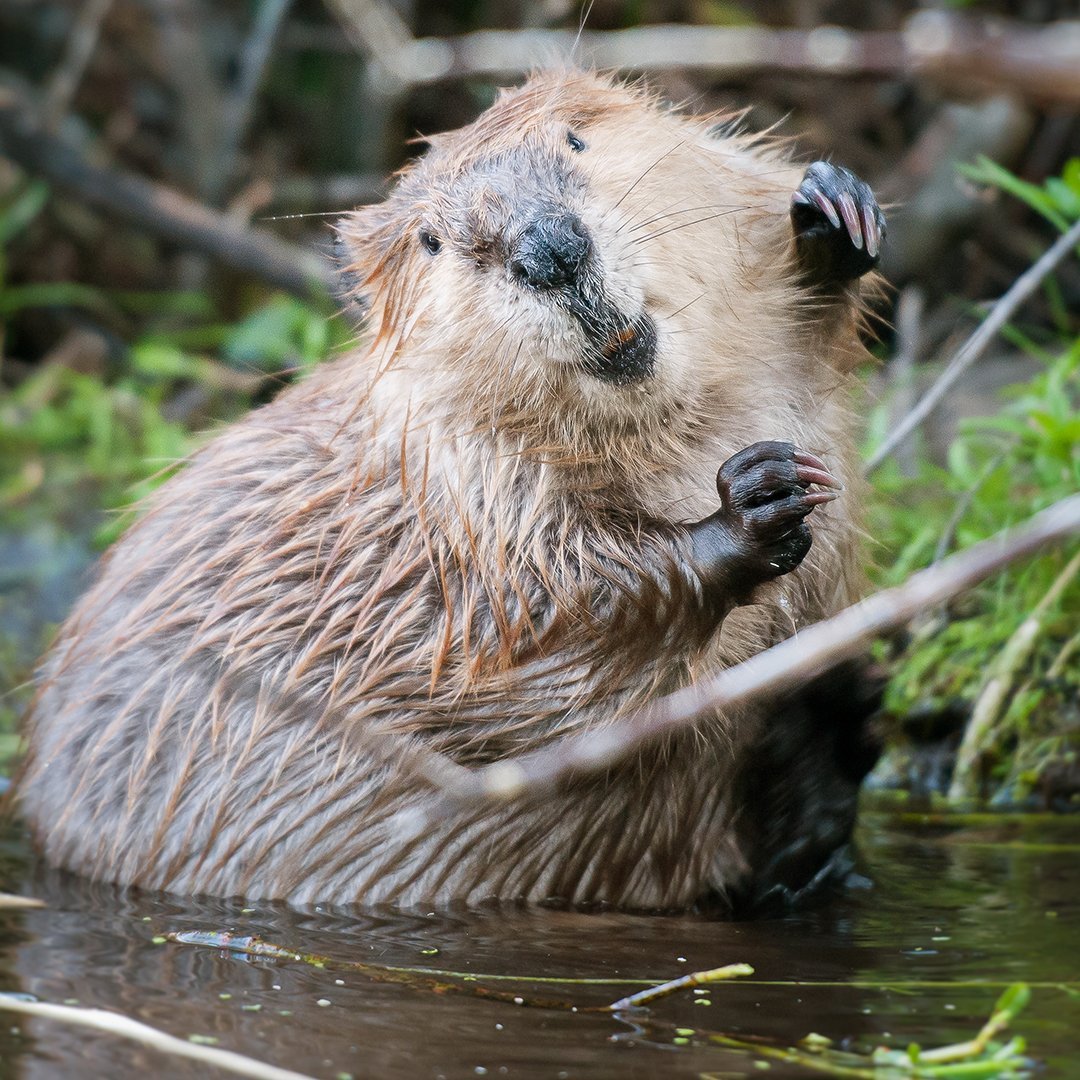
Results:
x,y
63,430
998,471
113,435
1057,200
78,448
981,1058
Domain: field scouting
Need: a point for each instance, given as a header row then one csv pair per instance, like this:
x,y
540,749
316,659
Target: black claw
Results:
x,y
838,224
760,532
764,489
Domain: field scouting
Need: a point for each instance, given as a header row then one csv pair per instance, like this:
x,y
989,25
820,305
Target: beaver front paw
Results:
x,y
764,491
838,224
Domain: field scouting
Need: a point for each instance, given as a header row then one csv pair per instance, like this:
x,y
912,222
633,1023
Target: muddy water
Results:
x,y
953,910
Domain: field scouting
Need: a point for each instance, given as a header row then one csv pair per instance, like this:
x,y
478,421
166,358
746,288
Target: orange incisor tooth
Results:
x,y
621,338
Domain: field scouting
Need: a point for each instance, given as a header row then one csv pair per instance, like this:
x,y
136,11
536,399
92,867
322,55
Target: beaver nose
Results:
x,y
550,252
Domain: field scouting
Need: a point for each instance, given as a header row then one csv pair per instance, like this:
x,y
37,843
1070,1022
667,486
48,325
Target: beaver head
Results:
x,y
575,254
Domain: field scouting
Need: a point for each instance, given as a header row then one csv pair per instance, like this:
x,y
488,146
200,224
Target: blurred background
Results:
x,y
169,170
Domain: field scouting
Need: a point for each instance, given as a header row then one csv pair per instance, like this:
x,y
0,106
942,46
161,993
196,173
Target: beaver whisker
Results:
x,y
666,154
679,311
685,225
685,210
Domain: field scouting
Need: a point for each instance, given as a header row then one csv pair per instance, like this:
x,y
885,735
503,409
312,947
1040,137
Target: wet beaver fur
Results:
x,y
494,522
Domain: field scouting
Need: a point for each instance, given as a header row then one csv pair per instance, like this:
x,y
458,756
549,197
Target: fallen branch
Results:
x,y
127,1028
976,345
949,49
158,209
794,661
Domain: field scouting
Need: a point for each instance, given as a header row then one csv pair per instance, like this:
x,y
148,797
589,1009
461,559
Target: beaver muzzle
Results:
x,y
553,255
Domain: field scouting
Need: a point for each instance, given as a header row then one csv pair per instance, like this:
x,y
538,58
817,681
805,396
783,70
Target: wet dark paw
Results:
x,y
838,224
765,491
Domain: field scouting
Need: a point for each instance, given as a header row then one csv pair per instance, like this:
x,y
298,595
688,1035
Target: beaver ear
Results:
x,y
362,242
351,278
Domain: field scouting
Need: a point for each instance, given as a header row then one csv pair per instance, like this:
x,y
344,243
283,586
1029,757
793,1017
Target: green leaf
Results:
x,y
163,361
1013,1000
1070,174
22,210
1065,198
53,294
985,171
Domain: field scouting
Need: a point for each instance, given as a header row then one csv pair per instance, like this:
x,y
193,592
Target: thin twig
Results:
x,y
80,47
995,692
127,1028
694,979
800,658
975,345
1066,652
11,902
240,104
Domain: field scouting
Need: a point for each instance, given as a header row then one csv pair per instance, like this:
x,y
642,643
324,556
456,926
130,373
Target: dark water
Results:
x,y
958,909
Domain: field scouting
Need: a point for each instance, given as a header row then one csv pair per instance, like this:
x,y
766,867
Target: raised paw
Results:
x,y
765,494
838,224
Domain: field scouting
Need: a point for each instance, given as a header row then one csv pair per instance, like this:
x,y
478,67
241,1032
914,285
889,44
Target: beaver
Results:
x,y
493,522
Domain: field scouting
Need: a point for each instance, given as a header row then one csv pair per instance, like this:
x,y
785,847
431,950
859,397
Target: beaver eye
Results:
x,y
431,242
576,144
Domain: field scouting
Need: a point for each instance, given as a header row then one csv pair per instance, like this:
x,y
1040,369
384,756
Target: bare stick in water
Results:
x,y
118,1024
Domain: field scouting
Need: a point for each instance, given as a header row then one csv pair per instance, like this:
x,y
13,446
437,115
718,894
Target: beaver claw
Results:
x,y
838,224
764,491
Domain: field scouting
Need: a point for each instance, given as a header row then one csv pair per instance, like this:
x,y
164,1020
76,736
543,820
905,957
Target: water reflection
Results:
x,y
955,913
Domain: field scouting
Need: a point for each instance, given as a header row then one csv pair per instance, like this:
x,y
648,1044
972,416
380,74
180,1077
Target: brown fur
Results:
x,y
454,538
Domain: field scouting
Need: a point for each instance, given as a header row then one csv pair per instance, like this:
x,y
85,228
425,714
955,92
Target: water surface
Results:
x,y
954,910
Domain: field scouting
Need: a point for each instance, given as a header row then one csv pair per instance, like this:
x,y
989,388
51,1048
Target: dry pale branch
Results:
x,y
1001,678
950,49
127,1028
12,902
158,209
788,664
976,345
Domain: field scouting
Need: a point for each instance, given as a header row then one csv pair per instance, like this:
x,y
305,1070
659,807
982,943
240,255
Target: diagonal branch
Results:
x,y
796,660
976,345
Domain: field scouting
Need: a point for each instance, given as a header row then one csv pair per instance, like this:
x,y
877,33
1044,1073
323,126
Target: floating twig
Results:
x,y
12,902
249,945
685,982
